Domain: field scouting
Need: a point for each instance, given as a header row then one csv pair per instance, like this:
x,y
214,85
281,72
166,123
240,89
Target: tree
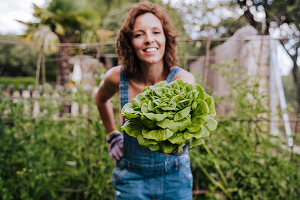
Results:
x,y
16,60
208,18
63,21
282,16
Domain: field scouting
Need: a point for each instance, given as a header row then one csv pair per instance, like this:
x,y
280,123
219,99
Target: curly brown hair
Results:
x,y
125,50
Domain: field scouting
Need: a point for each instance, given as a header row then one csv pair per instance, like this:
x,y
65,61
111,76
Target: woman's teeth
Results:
x,y
151,50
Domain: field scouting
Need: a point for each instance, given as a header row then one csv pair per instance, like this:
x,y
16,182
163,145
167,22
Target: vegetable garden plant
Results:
x,y
65,157
165,117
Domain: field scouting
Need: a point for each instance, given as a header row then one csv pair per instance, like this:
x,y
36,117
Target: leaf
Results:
x,y
175,125
132,129
129,112
196,124
180,148
182,114
145,142
196,142
202,108
148,123
177,138
202,133
144,108
211,125
201,93
167,146
211,104
187,135
136,102
154,147
156,117
157,134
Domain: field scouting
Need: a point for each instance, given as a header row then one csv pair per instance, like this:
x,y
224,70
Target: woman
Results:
x,y
146,49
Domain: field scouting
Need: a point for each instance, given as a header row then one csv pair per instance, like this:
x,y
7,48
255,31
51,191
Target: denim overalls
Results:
x,y
145,174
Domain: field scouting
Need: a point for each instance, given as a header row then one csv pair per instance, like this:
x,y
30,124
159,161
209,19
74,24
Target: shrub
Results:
x,y
17,81
241,160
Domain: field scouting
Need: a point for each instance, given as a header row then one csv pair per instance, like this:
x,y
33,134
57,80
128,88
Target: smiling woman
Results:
x,y
146,49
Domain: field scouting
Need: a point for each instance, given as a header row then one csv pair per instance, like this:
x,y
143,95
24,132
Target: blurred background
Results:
x,y
54,53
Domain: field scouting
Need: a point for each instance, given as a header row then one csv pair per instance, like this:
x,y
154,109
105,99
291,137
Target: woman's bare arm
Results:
x,y
186,76
107,88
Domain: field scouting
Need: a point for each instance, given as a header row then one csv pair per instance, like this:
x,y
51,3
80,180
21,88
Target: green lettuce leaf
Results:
x,y
182,114
156,117
167,146
177,138
202,133
196,124
154,147
132,128
196,142
129,112
145,142
157,134
175,125
201,109
211,124
211,105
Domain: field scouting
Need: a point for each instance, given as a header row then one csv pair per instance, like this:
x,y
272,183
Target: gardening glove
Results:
x,y
175,152
115,141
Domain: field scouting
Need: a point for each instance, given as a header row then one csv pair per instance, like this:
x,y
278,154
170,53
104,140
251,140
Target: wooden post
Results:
x,y
38,66
43,71
98,52
206,60
185,62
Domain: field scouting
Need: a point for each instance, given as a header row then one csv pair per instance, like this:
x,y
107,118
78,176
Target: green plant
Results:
x,y
17,81
241,160
52,157
165,117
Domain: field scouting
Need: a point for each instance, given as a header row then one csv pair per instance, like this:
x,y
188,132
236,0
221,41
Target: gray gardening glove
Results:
x,y
175,152
116,143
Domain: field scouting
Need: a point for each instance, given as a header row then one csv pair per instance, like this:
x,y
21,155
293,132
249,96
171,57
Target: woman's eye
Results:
x,y
157,32
137,35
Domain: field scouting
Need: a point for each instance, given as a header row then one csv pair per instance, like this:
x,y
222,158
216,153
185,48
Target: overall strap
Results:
x,y
172,73
123,89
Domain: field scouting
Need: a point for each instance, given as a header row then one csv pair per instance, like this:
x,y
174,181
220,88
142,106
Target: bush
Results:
x,y
17,81
241,160
49,156
46,157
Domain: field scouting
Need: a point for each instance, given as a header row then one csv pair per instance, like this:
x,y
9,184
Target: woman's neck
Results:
x,y
152,73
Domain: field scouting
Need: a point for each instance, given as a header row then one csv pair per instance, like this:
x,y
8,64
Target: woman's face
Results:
x,y
149,40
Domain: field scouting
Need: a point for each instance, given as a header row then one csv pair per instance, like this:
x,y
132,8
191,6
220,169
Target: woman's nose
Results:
x,y
149,38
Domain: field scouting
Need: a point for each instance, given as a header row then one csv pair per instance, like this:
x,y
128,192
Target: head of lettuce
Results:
x,y
165,116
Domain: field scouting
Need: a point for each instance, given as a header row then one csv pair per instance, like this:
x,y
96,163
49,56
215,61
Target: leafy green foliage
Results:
x,y
241,160
16,60
51,157
168,116
17,81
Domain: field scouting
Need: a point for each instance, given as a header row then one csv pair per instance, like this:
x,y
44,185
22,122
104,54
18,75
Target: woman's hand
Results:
x,y
116,144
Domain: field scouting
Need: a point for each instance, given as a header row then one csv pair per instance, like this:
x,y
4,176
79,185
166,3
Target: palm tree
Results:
x,y
63,21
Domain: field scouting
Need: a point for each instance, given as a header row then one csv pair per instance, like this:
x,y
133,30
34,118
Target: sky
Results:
x,y
12,10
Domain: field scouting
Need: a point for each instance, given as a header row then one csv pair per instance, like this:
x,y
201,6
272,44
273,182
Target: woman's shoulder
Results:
x,y
112,76
186,76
